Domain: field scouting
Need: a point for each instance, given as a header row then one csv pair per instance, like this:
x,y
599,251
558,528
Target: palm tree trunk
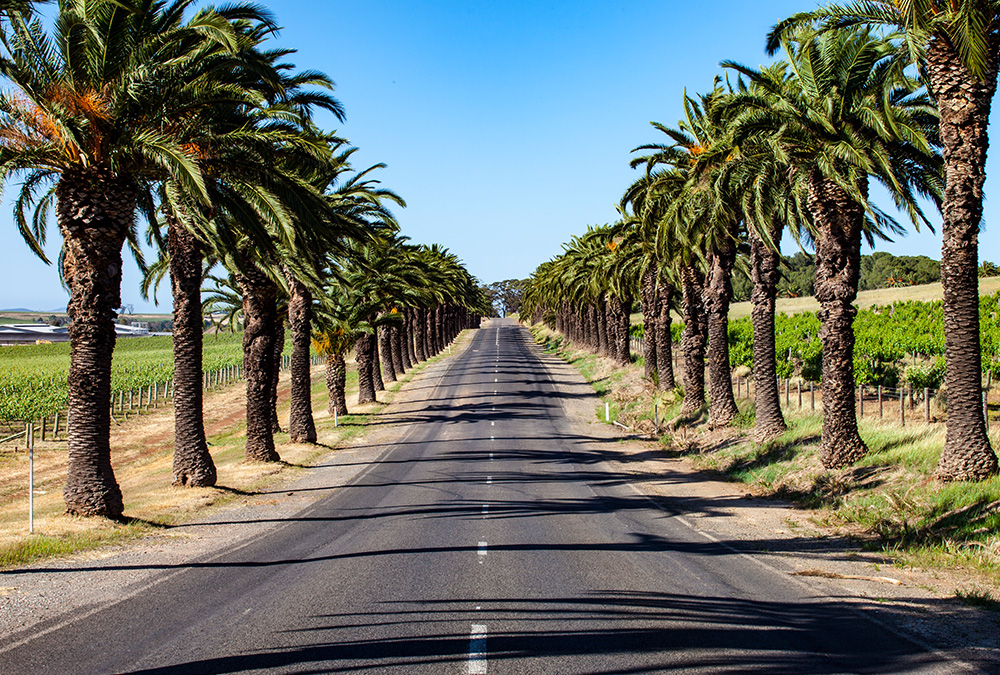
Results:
x,y
964,105
765,273
429,332
592,326
408,339
416,318
377,380
301,426
618,315
193,465
650,315
664,336
722,408
336,384
396,337
838,220
693,339
438,329
603,339
261,316
279,347
95,207
363,354
385,354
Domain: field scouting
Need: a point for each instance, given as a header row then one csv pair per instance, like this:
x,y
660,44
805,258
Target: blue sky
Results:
x,y
506,126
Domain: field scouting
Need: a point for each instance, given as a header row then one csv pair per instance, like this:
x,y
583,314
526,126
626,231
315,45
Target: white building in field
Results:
x,y
40,333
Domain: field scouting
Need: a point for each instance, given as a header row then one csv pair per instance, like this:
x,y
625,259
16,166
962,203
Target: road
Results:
x,y
489,538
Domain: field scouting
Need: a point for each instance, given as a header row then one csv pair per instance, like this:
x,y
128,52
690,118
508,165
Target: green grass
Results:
x,y
40,546
975,597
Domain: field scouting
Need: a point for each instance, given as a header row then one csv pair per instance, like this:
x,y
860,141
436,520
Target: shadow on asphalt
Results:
x,y
654,632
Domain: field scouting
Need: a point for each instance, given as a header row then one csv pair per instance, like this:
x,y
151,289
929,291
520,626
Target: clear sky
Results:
x,y
507,126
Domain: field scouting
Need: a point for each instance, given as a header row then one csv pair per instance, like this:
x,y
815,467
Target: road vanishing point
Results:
x,y
489,537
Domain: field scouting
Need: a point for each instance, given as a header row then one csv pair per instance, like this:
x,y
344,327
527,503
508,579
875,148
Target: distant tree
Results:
x,y
988,269
507,295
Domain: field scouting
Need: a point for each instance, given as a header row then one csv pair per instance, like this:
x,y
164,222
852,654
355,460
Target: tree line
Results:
x,y
191,120
896,93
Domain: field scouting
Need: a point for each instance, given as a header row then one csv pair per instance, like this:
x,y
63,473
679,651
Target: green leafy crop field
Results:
x,y
33,377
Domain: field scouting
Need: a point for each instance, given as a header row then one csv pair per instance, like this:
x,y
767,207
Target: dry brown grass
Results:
x,y
881,296
142,454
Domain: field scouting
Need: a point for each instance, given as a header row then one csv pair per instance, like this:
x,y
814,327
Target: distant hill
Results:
x,y
19,309
878,270
881,296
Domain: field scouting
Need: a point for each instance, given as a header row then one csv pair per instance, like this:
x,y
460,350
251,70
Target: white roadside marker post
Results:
x,y
31,479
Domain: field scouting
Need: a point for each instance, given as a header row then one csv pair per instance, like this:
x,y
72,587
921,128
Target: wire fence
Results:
x,y
904,404
130,402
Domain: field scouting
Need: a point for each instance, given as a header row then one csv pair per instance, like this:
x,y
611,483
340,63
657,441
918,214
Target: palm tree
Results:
x,y
767,202
100,130
846,114
956,45
678,237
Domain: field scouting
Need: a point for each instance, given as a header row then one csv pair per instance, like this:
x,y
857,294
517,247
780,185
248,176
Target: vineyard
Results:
x,y
895,343
33,378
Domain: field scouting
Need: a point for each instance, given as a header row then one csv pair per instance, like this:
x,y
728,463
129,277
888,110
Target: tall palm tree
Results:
x,y
98,130
956,45
844,115
679,237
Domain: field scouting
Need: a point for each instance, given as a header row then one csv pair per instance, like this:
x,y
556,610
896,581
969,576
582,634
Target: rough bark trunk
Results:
x,y
301,426
377,380
193,465
279,347
619,314
396,337
838,220
722,408
363,355
409,339
664,336
964,104
260,314
439,340
693,339
603,338
336,384
650,315
592,327
385,353
429,332
418,334
95,208
765,274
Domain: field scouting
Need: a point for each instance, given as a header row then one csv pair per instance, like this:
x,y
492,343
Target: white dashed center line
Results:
x,y
489,479
477,650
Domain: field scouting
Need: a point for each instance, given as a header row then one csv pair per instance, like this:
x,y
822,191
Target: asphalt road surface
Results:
x,y
489,538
